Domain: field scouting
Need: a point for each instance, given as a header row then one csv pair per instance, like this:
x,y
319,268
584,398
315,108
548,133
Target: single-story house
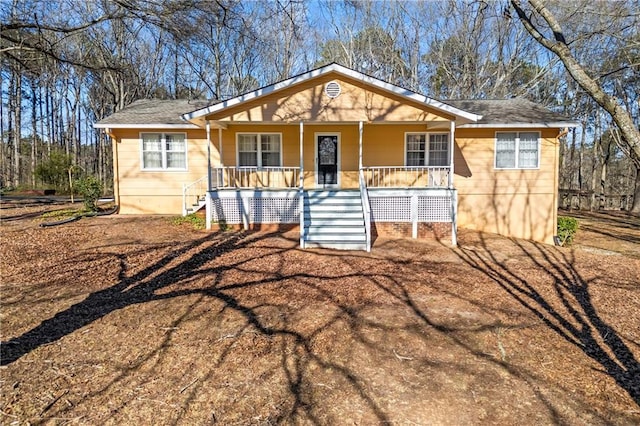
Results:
x,y
345,157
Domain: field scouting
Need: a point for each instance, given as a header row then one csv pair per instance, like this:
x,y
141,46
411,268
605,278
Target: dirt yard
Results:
x,y
133,320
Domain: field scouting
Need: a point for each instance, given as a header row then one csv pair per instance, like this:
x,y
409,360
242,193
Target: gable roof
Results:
x,y
339,69
515,112
152,113
505,113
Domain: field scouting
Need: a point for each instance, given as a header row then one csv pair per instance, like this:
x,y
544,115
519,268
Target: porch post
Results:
x,y
360,145
452,191
220,177
301,154
301,185
452,145
208,130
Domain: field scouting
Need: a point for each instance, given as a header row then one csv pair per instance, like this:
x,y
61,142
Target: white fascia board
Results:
x,y
146,126
256,93
341,70
552,124
408,94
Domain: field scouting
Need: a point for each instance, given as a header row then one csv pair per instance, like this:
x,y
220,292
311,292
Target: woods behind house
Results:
x,y
66,64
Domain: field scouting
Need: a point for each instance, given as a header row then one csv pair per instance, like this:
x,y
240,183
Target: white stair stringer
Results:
x,y
334,219
201,202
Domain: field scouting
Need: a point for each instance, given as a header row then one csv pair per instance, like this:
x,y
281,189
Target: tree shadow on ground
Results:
x,y
190,269
150,284
578,322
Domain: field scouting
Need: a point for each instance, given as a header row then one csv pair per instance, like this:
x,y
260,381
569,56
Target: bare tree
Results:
x,y
545,28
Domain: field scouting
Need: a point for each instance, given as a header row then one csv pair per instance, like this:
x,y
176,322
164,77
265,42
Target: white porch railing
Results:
x,y
255,177
406,177
192,193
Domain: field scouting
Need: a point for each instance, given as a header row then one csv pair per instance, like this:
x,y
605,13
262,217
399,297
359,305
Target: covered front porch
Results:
x,y
333,163
333,145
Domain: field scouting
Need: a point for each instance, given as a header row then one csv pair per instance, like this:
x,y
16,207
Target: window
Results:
x,y
259,150
517,150
435,153
164,151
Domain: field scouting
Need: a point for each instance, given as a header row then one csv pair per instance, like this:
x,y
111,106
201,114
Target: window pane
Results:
x,y
175,142
506,150
176,160
151,142
270,150
246,159
415,158
415,142
151,160
528,150
415,149
439,150
270,143
270,159
438,159
247,143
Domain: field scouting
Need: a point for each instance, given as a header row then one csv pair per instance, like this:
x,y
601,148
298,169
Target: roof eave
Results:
x,y
550,125
145,126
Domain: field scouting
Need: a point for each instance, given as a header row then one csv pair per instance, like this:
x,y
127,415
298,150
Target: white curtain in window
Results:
x,y
175,145
506,150
247,150
528,150
151,151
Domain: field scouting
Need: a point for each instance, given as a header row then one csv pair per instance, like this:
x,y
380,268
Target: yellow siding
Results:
x,y
518,203
156,192
307,101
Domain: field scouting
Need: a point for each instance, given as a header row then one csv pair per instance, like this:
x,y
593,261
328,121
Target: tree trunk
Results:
x,y
34,131
629,143
17,125
3,153
635,207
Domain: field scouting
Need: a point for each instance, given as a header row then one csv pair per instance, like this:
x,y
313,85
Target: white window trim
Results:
x,y
426,147
517,154
163,151
258,148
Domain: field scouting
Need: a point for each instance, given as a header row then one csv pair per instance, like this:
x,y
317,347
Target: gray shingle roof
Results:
x,y
508,111
504,111
153,111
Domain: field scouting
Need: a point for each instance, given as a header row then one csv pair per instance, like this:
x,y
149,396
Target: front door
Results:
x,y
327,160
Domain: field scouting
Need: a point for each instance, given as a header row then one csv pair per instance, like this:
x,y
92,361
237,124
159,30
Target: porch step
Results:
x,y
338,245
331,220
334,219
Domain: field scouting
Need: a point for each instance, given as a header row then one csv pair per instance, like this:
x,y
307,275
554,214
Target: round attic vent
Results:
x,y
332,89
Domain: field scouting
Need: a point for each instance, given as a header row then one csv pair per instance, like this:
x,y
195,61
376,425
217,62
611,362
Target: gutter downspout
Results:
x,y
116,168
556,181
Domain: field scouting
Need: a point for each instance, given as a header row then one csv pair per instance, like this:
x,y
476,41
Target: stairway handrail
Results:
x,y
187,189
366,208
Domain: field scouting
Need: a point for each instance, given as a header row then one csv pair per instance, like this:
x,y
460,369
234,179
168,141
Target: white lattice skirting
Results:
x,y
282,206
249,206
412,205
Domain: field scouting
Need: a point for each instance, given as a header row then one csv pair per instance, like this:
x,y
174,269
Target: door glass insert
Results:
x,y
328,160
